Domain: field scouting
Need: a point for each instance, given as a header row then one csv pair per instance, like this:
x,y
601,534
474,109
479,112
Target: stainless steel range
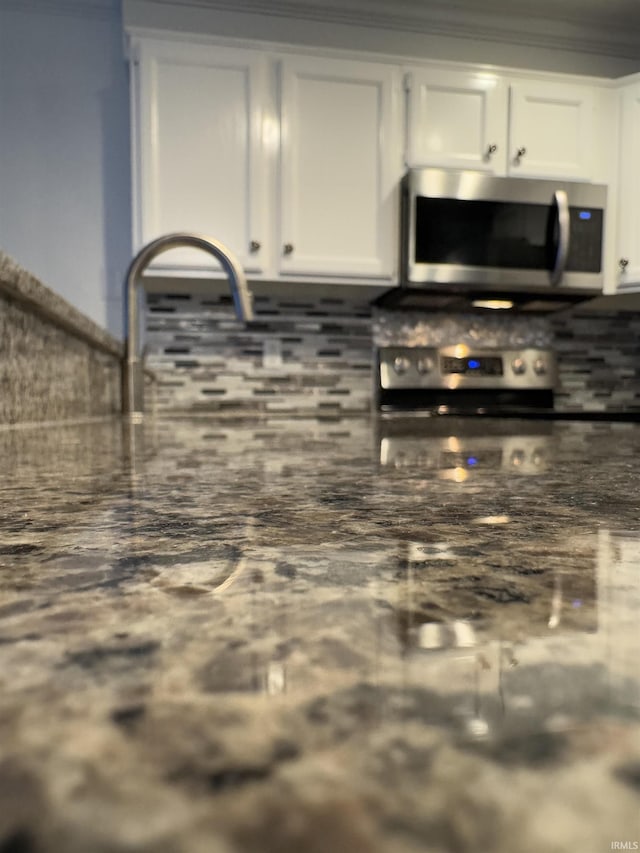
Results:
x,y
462,378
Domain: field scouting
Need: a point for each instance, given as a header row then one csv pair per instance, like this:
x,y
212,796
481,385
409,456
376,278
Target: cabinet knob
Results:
x,y
287,248
254,246
520,154
491,149
623,263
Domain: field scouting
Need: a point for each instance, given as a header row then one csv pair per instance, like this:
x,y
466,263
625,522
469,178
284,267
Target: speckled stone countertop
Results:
x,y
272,637
19,284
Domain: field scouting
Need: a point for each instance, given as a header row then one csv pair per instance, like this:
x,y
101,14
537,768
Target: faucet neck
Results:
x,y
242,300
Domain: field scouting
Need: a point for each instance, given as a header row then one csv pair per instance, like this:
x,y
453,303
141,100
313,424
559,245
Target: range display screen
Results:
x,y
472,365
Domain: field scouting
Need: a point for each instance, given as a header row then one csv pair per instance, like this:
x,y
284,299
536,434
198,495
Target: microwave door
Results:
x,y
468,230
490,241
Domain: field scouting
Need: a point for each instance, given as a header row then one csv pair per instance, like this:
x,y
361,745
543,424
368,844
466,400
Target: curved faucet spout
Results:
x,y
133,376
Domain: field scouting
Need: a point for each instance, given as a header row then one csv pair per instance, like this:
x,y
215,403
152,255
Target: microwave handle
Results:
x,y
562,206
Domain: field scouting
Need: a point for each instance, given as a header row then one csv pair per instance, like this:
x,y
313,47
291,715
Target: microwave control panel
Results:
x,y
585,243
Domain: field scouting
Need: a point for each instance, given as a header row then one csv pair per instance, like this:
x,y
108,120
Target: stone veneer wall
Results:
x,y
314,355
55,364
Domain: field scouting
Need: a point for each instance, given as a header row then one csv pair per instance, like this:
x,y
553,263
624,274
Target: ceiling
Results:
x,y
604,26
616,13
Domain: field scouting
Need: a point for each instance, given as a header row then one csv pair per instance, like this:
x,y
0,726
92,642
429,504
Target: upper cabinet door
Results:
x,y
628,261
456,119
340,168
200,162
551,130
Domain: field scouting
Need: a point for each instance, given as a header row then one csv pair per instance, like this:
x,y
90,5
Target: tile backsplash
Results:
x,y
493,329
313,355
298,357
599,360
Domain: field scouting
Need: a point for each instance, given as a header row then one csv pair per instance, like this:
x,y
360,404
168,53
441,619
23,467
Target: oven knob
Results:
x,y
518,365
539,367
401,364
425,364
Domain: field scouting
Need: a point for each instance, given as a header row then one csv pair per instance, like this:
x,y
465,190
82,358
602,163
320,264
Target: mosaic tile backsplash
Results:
x,y
298,357
313,355
599,361
409,328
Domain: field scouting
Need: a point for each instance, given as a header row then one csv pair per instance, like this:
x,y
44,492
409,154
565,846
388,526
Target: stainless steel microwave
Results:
x,y
477,231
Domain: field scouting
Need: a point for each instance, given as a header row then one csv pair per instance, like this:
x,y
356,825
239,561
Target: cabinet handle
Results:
x,y
491,149
287,248
254,246
519,154
623,263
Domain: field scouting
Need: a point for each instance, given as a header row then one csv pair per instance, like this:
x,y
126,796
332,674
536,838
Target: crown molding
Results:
x,y
563,31
94,9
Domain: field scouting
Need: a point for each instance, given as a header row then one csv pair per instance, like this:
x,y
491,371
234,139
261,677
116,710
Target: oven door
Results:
x,y
465,228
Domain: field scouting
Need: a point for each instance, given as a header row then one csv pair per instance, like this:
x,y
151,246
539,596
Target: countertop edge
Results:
x,y
23,287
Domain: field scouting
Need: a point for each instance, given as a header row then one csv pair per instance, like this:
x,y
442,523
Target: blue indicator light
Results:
x,y
472,461
473,363
585,214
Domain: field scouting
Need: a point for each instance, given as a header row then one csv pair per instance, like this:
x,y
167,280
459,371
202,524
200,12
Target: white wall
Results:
x,y
64,149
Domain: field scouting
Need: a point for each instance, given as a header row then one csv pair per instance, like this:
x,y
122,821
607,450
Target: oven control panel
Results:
x,y
461,366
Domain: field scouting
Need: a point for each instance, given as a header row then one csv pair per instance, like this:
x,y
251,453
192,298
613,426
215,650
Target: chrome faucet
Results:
x,y
133,373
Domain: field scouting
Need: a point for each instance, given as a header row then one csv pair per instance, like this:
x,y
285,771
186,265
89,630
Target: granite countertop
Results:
x,y
23,287
278,637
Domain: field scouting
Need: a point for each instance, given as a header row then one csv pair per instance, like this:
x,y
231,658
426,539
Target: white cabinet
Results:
x,y
456,119
477,120
294,160
199,139
298,174
551,130
340,165
628,243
